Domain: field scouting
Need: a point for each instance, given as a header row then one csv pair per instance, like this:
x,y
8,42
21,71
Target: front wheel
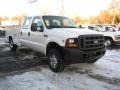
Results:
x,y
108,42
55,60
13,46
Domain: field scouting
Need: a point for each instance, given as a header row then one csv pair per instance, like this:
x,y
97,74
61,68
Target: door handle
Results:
x,y
45,35
21,33
28,33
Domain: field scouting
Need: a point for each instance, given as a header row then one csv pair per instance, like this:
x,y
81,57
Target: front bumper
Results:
x,y
116,42
75,55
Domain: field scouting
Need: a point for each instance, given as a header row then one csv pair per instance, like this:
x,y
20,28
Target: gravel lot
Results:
x,y
27,70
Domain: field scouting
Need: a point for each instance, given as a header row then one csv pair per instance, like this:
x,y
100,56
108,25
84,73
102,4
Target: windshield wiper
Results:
x,y
51,27
70,27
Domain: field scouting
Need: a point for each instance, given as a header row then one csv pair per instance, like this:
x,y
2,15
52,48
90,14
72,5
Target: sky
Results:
x,y
83,8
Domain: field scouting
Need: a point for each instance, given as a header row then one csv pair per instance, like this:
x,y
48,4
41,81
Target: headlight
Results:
x,y
71,43
117,37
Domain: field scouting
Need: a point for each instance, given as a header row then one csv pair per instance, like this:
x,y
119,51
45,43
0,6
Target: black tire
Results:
x,y
55,60
108,42
91,61
13,46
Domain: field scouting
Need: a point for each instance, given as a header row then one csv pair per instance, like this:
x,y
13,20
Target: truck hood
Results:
x,y
111,33
72,32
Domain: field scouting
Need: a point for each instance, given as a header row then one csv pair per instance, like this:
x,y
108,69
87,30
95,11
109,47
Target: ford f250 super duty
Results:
x,y
59,39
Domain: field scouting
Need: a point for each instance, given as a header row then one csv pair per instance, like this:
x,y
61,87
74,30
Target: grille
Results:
x,y
118,37
91,42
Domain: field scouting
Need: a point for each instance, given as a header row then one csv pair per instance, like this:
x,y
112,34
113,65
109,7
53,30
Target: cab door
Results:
x,y
25,32
37,38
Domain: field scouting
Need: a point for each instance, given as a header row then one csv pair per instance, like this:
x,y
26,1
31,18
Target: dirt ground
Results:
x,y
28,70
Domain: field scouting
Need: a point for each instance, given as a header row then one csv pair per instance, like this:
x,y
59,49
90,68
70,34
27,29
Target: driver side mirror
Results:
x,y
114,30
80,26
34,27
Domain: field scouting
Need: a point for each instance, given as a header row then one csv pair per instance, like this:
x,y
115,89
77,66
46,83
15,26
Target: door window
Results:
x,y
38,21
26,23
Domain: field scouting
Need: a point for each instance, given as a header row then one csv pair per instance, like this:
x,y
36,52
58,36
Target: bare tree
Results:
x,y
115,8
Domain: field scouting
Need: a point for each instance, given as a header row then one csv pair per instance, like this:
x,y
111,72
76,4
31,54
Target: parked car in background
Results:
x,y
113,26
118,28
112,36
2,31
109,28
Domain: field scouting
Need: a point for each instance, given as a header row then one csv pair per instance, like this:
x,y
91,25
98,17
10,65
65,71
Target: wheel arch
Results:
x,y
108,37
51,45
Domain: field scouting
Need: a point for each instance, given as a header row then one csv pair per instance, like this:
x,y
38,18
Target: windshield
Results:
x,y
109,29
58,22
100,29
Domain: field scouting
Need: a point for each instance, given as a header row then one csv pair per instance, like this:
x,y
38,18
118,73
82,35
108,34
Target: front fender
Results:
x,y
111,36
59,41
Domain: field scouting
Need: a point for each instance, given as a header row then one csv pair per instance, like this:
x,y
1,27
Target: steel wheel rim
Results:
x,y
11,44
53,61
107,43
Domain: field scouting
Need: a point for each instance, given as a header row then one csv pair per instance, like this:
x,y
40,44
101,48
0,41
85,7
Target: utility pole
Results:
x,y
113,21
62,8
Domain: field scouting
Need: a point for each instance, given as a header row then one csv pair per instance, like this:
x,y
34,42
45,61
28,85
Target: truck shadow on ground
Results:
x,y
26,58
116,47
22,59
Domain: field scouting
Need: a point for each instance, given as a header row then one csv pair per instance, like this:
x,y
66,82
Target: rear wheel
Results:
x,y
13,46
55,60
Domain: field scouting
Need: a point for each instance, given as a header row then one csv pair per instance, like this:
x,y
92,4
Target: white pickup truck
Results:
x,y
112,36
59,39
